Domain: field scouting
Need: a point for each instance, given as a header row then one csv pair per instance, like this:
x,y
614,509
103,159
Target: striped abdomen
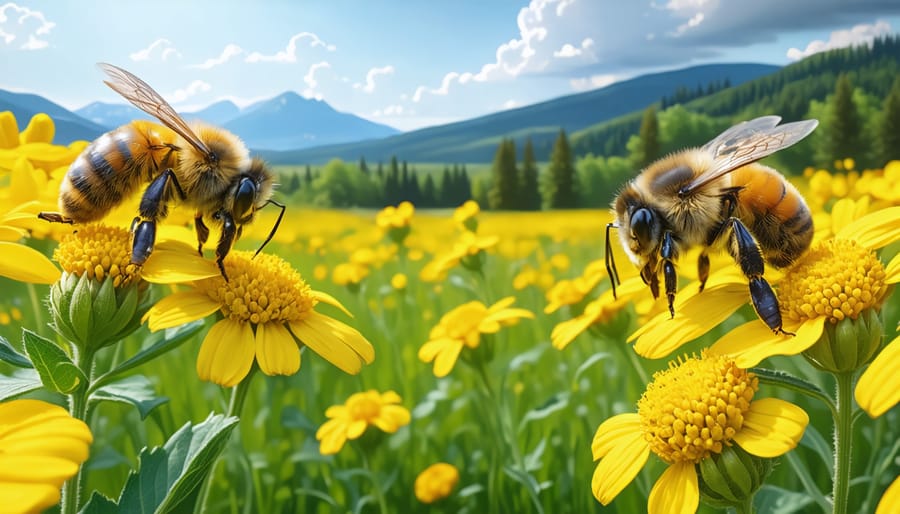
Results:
x,y
775,213
112,167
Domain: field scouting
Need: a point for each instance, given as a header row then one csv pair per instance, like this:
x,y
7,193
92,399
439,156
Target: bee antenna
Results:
x,y
274,227
611,261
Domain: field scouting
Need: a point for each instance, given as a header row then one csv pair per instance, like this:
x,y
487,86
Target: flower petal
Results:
x,y
771,428
179,308
24,497
890,500
334,341
676,491
878,388
329,300
619,467
25,264
356,428
875,230
276,350
175,263
751,343
693,318
612,430
391,418
892,271
332,435
227,353
446,358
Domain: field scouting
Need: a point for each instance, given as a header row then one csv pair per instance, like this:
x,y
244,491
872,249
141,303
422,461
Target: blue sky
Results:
x,y
408,64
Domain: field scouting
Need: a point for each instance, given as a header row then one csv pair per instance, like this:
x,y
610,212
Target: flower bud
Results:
x,y
848,344
729,478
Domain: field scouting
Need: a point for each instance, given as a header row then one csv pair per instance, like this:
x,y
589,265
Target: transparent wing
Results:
x,y
142,96
748,142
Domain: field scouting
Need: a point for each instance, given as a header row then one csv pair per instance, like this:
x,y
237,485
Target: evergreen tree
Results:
x,y
293,184
559,192
505,184
445,198
889,131
429,192
844,122
414,193
392,184
362,166
529,190
379,171
649,148
308,177
464,189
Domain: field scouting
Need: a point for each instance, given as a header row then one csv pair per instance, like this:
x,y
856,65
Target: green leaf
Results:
x,y
24,381
99,504
10,355
57,371
161,343
168,475
558,402
134,390
590,361
776,500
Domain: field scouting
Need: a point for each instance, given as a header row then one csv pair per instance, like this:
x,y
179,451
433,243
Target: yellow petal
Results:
x,y
619,467
28,498
446,358
176,264
25,264
878,388
890,501
875,230
771,428
331,435
610,432
391,418
276,351
696,316
329,300
751,343
178,309
337,343
892,271
676,491
356,428
227,353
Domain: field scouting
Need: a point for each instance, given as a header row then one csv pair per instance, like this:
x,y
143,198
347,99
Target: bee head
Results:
x,y
641,226
251,191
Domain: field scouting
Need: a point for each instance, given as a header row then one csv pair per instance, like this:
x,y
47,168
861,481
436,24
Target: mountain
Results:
x,y
218,113
290,121
69,126
476,140
112,115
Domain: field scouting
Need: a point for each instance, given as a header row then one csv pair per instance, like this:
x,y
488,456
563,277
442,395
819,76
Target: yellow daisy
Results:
x,y
690,412
599,311
41,446
436,482
267,309
464,215
350,420
17,261
878,388
462,328
395,217
468,250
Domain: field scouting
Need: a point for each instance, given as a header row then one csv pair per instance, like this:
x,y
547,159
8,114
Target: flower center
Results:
x,y
837,279
695,407
363,407
260,290
99,252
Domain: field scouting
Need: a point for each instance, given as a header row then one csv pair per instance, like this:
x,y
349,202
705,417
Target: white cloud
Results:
x,y
289,54
859,34
165,47
310,80
696,12
194,88
510,104
441,91
369,87
19,22
695,21
390,110
594,82
568,50
230,50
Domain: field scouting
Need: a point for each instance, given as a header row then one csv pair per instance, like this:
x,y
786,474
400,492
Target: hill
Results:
x,y
69,126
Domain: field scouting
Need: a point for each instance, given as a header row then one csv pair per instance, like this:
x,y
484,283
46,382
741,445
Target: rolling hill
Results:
x,y
69,126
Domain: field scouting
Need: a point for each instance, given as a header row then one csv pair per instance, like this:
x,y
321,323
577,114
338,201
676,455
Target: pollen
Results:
x,y
695,407
263,289
98,251
836,279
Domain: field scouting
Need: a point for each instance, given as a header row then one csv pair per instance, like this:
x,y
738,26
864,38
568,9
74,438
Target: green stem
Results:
x,y
235,407
746,507
78,401
843,436
36,306
379,494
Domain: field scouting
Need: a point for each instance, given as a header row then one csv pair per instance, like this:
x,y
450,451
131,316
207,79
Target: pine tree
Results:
x,y
445,193
429,193
392,184
649,148
307,177
529,190
463,187
889,131
293,184
505,184
846,127
560,190
414,191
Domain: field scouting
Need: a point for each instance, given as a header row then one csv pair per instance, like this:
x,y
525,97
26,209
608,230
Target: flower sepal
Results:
x,y
848,344
730,478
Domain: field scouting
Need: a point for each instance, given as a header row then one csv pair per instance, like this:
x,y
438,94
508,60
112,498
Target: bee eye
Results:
x,y
641,225
244,197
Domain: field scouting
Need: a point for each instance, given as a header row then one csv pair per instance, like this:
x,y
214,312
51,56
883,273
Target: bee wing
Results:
x,y
748,142
142,96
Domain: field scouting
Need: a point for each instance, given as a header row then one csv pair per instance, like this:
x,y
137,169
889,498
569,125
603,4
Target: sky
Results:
x,y
407,64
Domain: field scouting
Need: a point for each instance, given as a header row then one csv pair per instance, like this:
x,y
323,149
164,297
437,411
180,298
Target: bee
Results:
x,y
717,196
205,167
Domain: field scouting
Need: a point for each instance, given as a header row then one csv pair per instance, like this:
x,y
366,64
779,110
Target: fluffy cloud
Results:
x,y
163,47
289,54
310,80
194,88
369,86
21,24
859,34
593,82
231,50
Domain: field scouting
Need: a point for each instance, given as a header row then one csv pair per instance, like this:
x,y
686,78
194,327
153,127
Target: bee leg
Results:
x,y
668,253
703,269
152,209
610,260
229,230
648,275
202,232
55,217
746,252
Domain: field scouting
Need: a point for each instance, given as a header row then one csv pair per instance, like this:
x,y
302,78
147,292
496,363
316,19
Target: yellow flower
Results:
x,y
836,279
98,251
267,309
399,281
890,501
350,420
41,447
468,250
462,328
878,388
17,261
690,412
395,217
349,273
464,215
436,482
599,311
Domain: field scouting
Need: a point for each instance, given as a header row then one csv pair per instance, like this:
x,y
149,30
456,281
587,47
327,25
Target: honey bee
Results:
x,y
717,196
206,167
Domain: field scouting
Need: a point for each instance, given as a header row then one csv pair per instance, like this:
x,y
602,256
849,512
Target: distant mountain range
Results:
x,y
290,129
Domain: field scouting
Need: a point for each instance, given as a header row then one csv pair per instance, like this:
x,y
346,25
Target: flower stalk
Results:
x,y
843,438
